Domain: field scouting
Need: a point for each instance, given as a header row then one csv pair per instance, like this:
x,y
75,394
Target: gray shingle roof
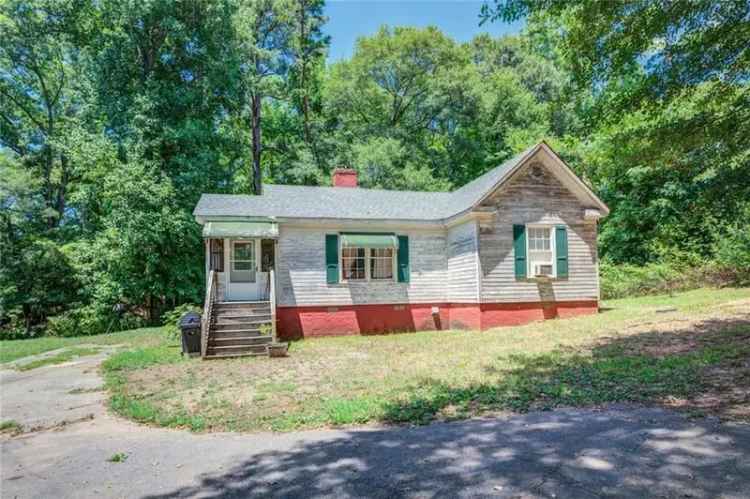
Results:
x,y
291,201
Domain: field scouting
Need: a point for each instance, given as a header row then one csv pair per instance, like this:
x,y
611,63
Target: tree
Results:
x,y
36,278
144,253
168,84
264,30
455,110
38,97
309,46
670,86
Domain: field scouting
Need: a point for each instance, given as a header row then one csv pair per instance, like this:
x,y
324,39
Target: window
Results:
x,y
353,264
541,251
367,264
381,263
243,261
217,255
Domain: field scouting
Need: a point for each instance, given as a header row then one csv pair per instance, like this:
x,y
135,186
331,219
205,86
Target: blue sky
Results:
x,y
350,19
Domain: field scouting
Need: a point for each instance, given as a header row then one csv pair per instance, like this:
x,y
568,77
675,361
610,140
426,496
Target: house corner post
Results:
x,y
207,251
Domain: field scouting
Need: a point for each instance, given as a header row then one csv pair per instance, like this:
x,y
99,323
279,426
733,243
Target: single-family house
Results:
x,y
515,245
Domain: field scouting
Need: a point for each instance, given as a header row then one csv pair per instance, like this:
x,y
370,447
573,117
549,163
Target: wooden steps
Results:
x,y
239,329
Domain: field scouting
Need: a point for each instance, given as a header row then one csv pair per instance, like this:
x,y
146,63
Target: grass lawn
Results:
x,y
11,350
696,357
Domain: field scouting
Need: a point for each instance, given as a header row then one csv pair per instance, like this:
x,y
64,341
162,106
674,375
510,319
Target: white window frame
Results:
x,y
253,260
368,258
254,243
553,251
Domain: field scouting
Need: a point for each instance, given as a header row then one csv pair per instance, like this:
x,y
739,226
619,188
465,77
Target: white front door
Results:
x,y
245,282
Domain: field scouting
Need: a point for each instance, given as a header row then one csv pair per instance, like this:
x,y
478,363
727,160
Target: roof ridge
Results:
x,y
353,189
322,201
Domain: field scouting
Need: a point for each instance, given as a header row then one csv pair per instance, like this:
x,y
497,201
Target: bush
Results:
x,y
171,319
679,269
619,281
733,253
17,331
89,320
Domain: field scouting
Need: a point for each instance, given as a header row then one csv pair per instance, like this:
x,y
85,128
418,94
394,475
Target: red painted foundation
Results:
x,y
306,322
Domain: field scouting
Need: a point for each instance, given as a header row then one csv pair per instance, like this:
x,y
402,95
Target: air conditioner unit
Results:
x,y
542,269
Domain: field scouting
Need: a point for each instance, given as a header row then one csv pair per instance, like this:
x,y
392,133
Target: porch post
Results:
x,y
207,248
227,269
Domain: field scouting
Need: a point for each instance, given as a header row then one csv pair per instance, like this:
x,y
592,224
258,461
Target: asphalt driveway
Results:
x,y
613,452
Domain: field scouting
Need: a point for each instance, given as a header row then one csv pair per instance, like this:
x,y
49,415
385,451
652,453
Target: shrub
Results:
x,y
619,281
65,324
171,319
17,331
89,320
733,253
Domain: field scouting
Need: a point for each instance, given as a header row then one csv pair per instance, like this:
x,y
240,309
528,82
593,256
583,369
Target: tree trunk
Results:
x,y
62,189
256,145
49,195
303,80
306,118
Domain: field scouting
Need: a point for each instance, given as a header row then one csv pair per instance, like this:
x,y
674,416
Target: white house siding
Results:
x,y
302,272
536,199
463,282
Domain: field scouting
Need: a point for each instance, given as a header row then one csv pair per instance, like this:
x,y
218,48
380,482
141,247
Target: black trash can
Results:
x,y
190,325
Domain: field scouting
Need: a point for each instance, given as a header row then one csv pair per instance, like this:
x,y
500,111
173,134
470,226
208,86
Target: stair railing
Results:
x,y
207,309
272,303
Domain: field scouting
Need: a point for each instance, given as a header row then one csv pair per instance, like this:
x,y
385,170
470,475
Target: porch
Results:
x,y
242,254
239,316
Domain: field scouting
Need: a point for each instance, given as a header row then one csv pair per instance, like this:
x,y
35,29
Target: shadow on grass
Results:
x,y
705,367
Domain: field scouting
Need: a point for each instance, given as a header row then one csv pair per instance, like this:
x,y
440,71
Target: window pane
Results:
x,y
353,263
244,251
539,239
381,263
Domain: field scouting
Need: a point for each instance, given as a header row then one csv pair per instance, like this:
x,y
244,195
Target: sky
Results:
x,y
350,19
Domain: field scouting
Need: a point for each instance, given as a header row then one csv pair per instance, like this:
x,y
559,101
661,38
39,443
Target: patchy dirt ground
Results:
x,y
701,363
725,388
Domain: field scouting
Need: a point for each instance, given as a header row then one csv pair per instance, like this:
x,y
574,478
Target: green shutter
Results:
x,y
561,247
403,258
332,258
519,250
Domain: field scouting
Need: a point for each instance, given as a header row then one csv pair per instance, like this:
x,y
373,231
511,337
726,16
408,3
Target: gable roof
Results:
x,y
292,201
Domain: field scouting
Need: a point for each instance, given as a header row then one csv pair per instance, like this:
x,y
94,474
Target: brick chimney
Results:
x,y
344,177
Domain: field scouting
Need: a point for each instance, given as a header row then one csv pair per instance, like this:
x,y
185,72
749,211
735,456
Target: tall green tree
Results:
x,y
167,86
456,110
265,32
168,82
309,48
671,87
39,101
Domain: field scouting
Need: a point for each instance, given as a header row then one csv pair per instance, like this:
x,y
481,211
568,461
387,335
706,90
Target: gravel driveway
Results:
x,y
614,452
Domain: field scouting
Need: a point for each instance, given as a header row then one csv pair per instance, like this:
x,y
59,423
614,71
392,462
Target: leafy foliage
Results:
x,y
733,250
172,318
669,90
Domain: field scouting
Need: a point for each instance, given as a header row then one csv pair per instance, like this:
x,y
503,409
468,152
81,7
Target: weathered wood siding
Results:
x,y
463,282
302,272
535,195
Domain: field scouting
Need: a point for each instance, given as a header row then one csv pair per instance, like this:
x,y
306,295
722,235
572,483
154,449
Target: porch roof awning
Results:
x,y
235,230
369,240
